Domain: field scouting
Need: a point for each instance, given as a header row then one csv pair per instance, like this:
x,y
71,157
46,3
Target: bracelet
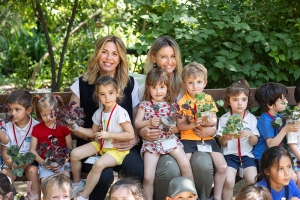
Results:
x,y
74,127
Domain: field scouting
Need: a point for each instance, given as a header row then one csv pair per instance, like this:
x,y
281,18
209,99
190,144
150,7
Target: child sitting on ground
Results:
x,y
194,77
19,132
271,98
181,188
57,186
126,188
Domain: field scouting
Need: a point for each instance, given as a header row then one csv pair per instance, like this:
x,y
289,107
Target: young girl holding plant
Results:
x,y
110,122
48,131
276,174
155,108
237,149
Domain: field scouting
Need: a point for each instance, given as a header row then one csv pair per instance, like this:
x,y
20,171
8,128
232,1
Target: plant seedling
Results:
x,y
68,115
234,125
293,115
19,159
200,109
55,155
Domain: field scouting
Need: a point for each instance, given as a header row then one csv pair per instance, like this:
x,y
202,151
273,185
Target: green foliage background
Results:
x,y
257,40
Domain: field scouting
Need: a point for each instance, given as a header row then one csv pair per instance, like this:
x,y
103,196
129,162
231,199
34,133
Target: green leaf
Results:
x,y
297,74
18,171
228,44
237,19
245,26
233,55
270,74
221,59
237,47
249,39
219,24
215,76
224,52
219,65
282,57
231,67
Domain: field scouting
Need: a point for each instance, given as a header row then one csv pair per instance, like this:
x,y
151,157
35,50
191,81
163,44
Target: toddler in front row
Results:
x,y
238,152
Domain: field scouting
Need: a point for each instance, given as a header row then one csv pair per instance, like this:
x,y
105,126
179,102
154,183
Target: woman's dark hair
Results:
x,y
253,192
132,186
270,157
297,93
235,89
5,186
268,93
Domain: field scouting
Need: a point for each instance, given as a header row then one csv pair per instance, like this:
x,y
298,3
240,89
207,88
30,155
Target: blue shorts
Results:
x,y
234,161
190,146
44,173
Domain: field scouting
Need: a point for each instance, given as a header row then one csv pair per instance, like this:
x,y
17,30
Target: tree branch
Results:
x,y
49,45
61,61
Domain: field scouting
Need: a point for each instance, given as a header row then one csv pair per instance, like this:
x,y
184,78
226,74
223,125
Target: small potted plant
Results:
x,y
55,155
293,115
234,125
69,116
201,109
19,159
170,120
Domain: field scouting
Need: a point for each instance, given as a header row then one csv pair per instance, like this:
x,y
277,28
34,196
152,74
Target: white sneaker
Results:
x,y
77,187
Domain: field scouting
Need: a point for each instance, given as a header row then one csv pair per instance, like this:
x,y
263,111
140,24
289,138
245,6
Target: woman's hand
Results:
x,y
125,145
150,134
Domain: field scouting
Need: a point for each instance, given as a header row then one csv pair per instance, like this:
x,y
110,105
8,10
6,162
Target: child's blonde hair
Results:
x,y
194,69
54,182
45,102
253,192
158,76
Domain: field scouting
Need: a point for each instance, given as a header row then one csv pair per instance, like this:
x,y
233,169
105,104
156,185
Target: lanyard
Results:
x,y
101,126
239,142
14,131
278,129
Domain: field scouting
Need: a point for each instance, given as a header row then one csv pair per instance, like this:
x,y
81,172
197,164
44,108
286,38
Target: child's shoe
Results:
x,y
77,187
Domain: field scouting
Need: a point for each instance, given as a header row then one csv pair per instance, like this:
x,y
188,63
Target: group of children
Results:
x,y
256,148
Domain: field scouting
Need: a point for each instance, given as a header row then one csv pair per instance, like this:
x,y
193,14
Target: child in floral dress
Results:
x,y
155,110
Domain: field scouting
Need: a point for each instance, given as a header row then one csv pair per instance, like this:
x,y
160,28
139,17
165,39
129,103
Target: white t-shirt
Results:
x,y
232,145
134,95
293,138
119,116
20,135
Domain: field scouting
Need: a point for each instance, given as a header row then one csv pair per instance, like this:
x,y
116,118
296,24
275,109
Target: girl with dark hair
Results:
x,y
276,173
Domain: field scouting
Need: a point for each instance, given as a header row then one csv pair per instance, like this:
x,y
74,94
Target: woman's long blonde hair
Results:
x,y
121,73
167,41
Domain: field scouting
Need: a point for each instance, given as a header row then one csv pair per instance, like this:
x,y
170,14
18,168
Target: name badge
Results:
x,y
108,144
204,147
91,160
169,144
241,171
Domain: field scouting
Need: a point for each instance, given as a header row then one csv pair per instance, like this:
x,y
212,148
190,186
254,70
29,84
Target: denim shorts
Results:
x,y
44,172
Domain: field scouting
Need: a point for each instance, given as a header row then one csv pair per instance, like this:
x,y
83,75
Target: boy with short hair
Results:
x,y
293,140
181,188
194,77
271,98
57,186
19,133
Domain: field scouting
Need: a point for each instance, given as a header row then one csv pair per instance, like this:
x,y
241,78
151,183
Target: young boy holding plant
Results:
x,y
194,77
19,132
271,98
